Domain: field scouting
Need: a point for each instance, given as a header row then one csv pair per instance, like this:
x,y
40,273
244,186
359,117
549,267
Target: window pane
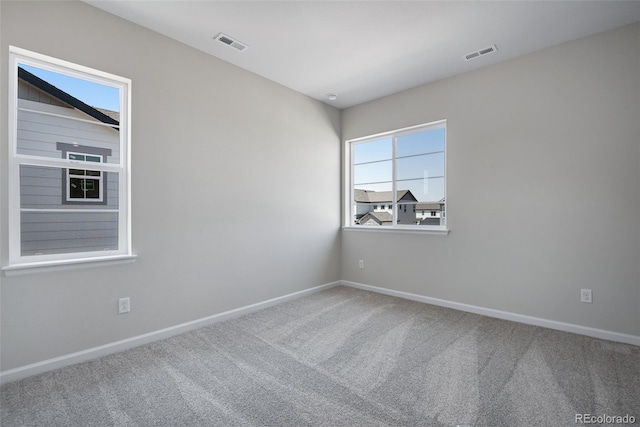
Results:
x,y
57,113
420,143
81,188
76,188
91,188
423,166
372,172
364,152
44,233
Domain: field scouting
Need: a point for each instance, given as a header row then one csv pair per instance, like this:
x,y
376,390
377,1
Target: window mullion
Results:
x,y
394,186
350,208
67,164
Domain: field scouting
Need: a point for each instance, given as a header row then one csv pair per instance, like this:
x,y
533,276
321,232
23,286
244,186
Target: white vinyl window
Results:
x,y
69,190
402,171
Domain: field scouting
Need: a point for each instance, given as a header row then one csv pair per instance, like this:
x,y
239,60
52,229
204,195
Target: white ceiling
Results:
x,y
363,50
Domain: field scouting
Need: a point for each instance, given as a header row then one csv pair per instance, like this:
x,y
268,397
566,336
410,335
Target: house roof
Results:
x,y
368,196
428,206
98,114
115,115
379,217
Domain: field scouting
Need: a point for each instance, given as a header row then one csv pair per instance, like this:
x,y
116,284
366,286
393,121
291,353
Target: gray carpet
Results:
x,y
341,357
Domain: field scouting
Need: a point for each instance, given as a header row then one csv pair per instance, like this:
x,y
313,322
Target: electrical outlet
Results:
x,y
123,305
586,296
361,263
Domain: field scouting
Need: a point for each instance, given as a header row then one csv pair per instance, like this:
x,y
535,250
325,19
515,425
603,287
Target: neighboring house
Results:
x,y
376,207
376,218
430,213
56,201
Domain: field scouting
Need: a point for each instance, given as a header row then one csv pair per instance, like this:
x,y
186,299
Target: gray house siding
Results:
x,y
38,134
29,92
64,232
407,209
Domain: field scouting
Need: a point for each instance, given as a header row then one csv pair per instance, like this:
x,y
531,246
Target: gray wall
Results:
x,y
229,170
543,186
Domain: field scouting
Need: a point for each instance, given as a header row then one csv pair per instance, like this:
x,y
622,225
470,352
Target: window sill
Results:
x,y
440,230
71,264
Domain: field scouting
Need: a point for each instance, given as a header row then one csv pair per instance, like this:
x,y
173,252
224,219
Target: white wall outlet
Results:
x,y
586,296
124,305
361,263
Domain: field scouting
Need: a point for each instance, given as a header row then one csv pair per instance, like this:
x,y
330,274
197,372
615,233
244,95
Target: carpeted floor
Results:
x,y
342,357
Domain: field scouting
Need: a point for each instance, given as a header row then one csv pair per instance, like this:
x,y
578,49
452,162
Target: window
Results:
x,y
401,169
68,163
83,185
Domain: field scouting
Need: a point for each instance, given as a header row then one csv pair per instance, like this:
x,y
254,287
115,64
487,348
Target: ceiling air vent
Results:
x,y
481,52
223,38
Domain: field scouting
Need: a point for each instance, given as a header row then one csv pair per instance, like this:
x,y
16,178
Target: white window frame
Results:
x,y
46,262
348,211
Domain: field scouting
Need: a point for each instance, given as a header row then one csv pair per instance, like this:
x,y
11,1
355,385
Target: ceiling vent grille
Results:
x,y
481,52
223,38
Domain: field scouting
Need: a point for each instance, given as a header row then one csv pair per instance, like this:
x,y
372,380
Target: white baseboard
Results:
x,y
103,350
521,318
95,352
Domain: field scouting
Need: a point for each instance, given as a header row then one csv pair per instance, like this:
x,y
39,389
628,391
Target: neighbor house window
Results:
x,y
68,163
84,185
400,168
